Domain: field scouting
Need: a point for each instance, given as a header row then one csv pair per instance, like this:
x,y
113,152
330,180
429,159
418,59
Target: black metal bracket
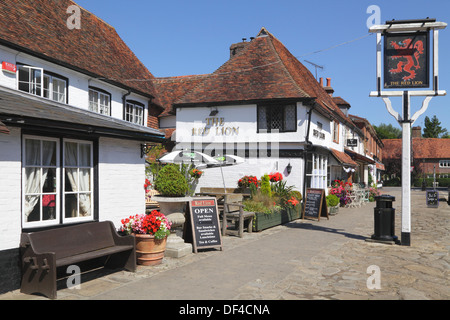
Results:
x,y
145,149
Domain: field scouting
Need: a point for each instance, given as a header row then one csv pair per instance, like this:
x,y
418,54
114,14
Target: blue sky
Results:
x,y
175,37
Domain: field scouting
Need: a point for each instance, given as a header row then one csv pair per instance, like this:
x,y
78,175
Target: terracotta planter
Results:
x,y
149,251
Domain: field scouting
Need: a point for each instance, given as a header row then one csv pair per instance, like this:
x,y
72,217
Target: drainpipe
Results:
x,y
124,101
308,146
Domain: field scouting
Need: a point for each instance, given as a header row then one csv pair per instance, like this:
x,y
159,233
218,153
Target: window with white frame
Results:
x,y
35,81
78,180
43,186
317,171
134,112
54,88
99,101
40,182
444,163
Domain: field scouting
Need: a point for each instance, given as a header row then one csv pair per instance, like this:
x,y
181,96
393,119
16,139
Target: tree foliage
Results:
x,y
433,128
387,131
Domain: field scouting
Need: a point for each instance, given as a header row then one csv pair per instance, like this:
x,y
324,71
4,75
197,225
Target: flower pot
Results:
x,y
149,251
333,210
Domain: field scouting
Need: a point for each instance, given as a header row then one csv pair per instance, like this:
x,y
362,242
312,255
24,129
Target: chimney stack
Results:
x,y
416,132
238,47
328,88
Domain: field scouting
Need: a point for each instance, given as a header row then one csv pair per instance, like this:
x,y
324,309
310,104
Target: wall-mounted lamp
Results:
x,y
289,168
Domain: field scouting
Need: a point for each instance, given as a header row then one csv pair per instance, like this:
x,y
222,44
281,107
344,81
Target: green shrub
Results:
x,y
332,200
443,182
170,182
266,188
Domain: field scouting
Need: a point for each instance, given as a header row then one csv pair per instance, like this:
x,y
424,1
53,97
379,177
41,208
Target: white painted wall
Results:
x,y
121,180
10,189
79,83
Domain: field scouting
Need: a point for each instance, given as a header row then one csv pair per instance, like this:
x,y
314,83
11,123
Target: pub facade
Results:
x,y
265,106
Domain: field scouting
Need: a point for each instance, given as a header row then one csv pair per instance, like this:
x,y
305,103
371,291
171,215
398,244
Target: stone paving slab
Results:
x,y
320,260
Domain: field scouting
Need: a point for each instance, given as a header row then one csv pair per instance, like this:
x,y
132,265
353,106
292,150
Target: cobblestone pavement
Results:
x,y
334,267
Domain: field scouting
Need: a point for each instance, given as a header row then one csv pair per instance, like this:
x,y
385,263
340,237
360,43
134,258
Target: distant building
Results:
x,y
429,155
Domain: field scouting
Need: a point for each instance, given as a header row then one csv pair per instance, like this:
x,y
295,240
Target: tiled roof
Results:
x,y
339,101
263,70
39,27
170,89
422,148
343,158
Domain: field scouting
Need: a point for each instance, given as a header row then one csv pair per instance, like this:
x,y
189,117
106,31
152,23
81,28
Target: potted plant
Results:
x,y
248,183
332,204
173,188
151,232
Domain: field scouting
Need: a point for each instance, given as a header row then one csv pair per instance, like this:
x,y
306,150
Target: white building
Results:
x,y
264,105
72,125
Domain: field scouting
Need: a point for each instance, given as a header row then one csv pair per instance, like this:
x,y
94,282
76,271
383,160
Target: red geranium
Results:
x,y
275,177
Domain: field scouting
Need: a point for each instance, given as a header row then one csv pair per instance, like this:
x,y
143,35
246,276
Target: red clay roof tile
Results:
x,y
40,27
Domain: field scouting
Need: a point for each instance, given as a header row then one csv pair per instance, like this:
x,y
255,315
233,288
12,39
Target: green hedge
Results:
x,y
443,182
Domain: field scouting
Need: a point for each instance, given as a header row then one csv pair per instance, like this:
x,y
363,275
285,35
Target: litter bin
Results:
x,y
384,219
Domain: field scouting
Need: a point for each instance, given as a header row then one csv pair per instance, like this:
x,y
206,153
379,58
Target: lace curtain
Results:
x,y
76,156
34,167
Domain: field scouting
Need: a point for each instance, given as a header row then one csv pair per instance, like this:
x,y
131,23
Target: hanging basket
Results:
x,y
149,251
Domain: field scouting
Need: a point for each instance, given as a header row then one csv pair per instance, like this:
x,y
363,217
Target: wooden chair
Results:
x,y
233,211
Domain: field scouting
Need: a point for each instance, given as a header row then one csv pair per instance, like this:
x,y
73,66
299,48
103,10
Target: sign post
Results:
x,y
406,66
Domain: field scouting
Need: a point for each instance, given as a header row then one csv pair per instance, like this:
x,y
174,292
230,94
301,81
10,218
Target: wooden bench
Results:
x,y
233,211
44,251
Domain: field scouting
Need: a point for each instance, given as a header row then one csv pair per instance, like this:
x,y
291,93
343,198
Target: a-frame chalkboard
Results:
x,y
315,205
204,221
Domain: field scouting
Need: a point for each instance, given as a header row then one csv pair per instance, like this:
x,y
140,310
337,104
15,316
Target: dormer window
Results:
x,y
44,84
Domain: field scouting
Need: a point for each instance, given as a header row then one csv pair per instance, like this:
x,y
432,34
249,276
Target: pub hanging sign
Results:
x,y
406,60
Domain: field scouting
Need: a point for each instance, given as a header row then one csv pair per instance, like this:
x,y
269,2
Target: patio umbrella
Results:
x,y
198,159
224,161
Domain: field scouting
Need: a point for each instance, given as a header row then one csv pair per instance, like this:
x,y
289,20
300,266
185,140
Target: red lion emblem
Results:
x,y
406,52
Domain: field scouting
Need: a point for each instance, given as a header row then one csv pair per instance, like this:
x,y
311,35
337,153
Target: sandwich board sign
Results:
x,y
204,222
315,204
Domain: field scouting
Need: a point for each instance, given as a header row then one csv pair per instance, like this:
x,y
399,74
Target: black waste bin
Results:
x,y
384,219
